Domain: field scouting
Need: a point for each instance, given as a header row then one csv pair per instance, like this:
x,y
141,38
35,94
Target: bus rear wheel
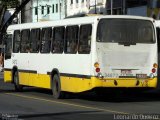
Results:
x,y
17,86
56,88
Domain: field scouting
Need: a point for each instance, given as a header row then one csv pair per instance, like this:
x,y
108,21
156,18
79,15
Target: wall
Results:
x,y
55,13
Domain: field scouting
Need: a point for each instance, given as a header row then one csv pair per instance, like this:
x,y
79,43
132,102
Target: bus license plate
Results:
x,y
126,72
141,76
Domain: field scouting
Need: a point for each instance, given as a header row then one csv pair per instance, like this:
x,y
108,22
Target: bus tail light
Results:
x,y
153,70
155,65
97,70
96,65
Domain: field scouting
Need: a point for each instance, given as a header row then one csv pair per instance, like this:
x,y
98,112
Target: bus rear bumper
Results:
x,y
80,85
124,82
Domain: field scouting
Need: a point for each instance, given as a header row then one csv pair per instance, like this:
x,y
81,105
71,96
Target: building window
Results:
x,y
136,3
56,7
71,1
42,10
77,1
48,9
60,6
52,8
36,10
82,1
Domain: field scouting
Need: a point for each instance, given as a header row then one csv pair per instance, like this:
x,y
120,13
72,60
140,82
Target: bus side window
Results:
x,y
46,40
16,41
8,46
35,39
71,43
25,43
58,39
85,39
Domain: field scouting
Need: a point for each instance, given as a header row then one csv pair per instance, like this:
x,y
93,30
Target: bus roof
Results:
x,y
71,21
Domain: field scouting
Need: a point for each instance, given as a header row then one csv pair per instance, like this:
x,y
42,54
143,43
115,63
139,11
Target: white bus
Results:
x,y
81,54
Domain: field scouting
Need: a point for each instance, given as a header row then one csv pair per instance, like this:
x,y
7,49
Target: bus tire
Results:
x,y
56,87
17,86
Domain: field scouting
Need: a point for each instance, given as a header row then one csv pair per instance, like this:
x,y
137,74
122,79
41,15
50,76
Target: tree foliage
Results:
x,y
10,3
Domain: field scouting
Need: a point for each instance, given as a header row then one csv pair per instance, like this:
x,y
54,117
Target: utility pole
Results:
x,y
65,8
20,14
111,7
59,9
124,7
37,10
95,6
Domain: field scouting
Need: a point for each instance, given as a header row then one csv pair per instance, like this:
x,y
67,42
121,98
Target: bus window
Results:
x,y
125,31
16,41
145,34
85,39
35,39
71,39
25,45
58,39
8,46
46,40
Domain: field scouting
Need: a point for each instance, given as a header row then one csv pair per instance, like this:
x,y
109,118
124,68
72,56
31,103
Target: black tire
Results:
x,y
56,87
17,86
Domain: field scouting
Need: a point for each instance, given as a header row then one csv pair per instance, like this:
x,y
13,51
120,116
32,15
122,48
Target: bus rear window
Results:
x,y
125,31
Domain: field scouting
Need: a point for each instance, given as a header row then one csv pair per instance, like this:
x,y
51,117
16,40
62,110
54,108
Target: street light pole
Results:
x,y
37,10
111,7
65,8
124,7
95,6
59,9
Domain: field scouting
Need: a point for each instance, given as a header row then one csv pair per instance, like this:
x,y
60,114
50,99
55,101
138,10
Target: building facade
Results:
x,y
25,15
75,7
78,7
46,10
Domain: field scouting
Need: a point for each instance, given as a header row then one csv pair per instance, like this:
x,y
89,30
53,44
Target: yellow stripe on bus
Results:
x,y
73,84
7,76
36,80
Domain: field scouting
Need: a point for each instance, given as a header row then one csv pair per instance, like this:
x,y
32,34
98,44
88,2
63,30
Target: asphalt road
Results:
x,y
36,103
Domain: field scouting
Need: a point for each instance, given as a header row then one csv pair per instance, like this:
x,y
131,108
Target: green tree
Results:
x,y
10,3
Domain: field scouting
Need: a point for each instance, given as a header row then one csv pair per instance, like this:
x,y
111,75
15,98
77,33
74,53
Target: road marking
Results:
x,y
65,103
